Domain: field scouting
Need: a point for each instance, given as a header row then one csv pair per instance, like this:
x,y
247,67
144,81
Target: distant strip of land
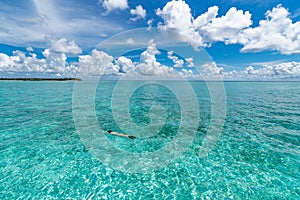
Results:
x,y
40,79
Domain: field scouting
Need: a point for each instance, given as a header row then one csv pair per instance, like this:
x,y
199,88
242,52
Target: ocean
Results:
x,y
50,147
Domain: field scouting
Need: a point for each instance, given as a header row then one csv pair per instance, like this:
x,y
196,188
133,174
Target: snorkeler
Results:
x,y
120,134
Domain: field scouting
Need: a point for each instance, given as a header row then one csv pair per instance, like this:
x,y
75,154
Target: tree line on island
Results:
x,y
40,79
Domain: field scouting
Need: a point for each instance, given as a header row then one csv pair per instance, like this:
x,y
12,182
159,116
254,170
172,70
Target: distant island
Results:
x,y
40,79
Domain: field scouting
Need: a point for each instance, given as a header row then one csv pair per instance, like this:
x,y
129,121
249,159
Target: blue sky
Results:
x,y
53,34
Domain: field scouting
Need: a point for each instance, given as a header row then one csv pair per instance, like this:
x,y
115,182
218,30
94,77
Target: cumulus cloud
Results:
x,y
4,61
148,56
211,70
126,65
177,16
187,73
206,28
62,45
97,63
276,71
177,62
56,55
154,69
227,27
139,12
18,62
149,23
111,5
279,71
101,63
190,62
54,61
277,32
148,64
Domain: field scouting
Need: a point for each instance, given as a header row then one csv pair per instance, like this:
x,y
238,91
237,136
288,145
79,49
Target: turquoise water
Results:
x,y
257,155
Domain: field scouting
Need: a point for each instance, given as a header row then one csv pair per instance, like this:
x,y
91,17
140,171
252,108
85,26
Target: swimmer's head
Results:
x,y
109,131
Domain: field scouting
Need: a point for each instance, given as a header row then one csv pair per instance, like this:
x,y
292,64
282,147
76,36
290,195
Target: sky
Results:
x,y
246,40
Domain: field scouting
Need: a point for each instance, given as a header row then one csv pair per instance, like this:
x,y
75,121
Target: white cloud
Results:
x,y
187,73
177,16
30,49
148,64
277,32
287,68
206,28
55,61
63,46
56,58
207,17
4,61
111,5
177,62
154,69
148,56
101,63
279,71
149,23
125,64
190,62
97,63
18,62
227,27
139,12
211,69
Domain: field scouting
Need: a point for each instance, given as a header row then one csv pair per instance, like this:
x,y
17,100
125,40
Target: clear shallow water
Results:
x,y
256,157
